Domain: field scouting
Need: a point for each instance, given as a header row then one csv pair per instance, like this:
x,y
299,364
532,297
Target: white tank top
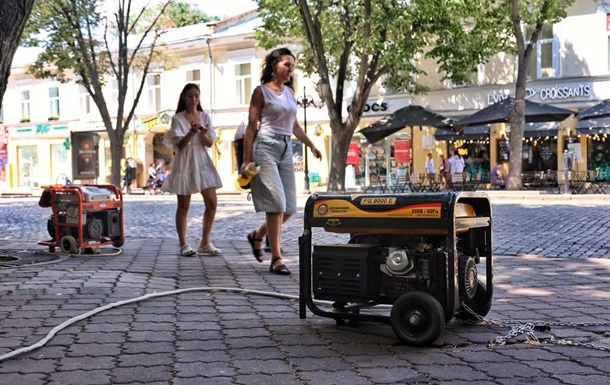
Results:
x,y
279,112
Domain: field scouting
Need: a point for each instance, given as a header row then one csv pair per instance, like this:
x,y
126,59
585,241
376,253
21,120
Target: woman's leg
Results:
x,y
211,202
274,228
184,202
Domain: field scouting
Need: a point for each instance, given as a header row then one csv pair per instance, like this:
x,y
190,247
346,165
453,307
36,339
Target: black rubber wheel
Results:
x,y
467,277
417,318
51,226
118,242
479,304
68,244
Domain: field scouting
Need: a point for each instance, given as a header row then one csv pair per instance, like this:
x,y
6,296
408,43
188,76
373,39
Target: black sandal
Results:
x,y
279,269
258,253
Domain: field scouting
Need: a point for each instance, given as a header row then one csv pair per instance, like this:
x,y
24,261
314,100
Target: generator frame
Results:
x,y
407,214
70,210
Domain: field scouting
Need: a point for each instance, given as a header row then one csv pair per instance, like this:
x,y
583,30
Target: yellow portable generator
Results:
x,y
417,253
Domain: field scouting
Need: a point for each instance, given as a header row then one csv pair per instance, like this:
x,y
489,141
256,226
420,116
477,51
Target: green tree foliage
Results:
x,y
365,41
177,14
85,43
13,17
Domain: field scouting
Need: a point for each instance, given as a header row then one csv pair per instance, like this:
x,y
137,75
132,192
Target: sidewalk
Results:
x,y
206,336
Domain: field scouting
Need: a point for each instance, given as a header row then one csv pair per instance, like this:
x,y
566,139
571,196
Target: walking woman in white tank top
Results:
x,y
273,109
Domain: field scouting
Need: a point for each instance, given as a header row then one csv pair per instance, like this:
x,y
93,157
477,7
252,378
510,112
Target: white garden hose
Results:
x,y
88,314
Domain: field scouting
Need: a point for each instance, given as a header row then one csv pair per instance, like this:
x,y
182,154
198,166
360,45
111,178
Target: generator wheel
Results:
x,y
51,226
467,277
417,318
68,244
118,242
478,304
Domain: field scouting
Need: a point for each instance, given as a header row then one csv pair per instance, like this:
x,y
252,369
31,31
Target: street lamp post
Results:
x,y
305,101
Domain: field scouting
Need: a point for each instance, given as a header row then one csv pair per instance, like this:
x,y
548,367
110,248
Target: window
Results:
x,y
475,78
1,114
25,104
85,100
544,62
54,102
243,82
193,76
153,86
27,163
113,104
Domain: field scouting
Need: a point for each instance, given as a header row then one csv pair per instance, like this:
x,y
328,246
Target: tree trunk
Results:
x,y
341,137
13,16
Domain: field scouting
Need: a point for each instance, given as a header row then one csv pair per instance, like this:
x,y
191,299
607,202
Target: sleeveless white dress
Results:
x,y
192,169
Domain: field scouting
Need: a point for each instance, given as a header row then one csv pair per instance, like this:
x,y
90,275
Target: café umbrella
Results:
x,y
401,118
499,113
600,110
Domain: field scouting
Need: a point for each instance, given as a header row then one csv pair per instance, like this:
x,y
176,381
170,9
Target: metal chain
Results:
x,y
528,327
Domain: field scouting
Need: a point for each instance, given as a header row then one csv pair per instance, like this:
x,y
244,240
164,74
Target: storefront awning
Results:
x,y
499,113
468,133
594,126
401,118
598,111
541,130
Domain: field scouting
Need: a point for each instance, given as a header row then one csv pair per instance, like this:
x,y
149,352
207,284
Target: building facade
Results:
x,y
571,69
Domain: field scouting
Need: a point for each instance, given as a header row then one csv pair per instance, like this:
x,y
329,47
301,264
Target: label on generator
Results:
x,y
369,207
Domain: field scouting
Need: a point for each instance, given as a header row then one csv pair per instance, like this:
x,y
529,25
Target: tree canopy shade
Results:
x,y
499,112
84,45
406,116
13,17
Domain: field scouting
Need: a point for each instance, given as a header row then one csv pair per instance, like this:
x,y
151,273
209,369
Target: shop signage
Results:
x,y
402,151
374,107
352,154
547,93
85,155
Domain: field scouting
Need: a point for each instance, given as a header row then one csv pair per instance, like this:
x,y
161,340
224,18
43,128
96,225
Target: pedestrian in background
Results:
x,y
430,169
273,110
130,174
444,170
190,135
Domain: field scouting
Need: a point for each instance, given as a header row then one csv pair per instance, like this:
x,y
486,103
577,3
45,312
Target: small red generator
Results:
x,y
83,217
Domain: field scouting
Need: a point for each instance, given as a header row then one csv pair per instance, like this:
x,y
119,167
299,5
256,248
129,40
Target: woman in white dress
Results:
x,y
190,135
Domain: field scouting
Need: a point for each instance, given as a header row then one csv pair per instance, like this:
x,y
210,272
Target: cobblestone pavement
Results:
x,y
552,266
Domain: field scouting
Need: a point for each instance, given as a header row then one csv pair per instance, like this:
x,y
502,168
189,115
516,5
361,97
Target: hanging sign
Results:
x,y
352,154
402,151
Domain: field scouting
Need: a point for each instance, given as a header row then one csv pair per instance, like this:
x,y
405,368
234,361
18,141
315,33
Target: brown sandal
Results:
x,y
258,253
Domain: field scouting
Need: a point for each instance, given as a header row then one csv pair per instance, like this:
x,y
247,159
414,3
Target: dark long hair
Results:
x,y
270,61
182,104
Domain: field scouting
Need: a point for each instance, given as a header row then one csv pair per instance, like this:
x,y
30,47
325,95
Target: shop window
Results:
x,y
54,102
25,104
85,100
598,155
539,154
545,59
59,162
153,91
243,82
476,159
27,164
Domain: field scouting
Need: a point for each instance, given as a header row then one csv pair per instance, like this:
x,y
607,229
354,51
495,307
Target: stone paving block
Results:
x,y
306,364
202,344
256,366
142,374
452,372
260,353
344,377
277,379
562,367
203,381
24,379
207,370
147,347
28,366
98,350
86,363
583,379
394,376
80,377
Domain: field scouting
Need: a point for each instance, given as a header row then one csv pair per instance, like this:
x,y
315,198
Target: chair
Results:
x,y
376,184
415,183
457,182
